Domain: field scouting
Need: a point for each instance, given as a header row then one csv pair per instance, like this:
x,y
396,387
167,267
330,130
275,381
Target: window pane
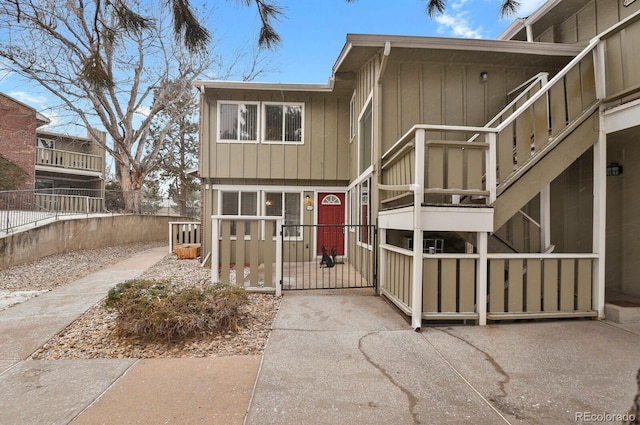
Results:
x,y
249,203
248,122
273,123
228,122
229,203
230,207
273,204
293,124
292,213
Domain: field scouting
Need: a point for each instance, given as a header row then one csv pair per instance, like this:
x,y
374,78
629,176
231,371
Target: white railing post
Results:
x,y
418,195
599,70
545,218
382,263
599,218
481,282
491,163
170,238
278,281
215,248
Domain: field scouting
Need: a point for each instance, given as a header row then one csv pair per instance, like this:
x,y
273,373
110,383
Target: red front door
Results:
x,y
331,211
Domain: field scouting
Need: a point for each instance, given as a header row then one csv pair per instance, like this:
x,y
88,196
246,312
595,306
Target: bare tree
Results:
x,y
179,153
107,71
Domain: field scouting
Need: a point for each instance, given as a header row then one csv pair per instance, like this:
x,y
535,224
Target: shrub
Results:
x,y
153,310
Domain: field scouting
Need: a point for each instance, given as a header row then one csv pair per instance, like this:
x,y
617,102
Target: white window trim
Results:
x,y
261,209
355,205
331,199
369,181
368,102
352,118
263,138
237,141
282,192
239,206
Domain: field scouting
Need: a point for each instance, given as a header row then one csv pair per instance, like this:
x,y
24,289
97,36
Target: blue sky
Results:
x,y
313,33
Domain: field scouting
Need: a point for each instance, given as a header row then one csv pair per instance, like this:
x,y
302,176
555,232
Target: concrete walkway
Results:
x,y
331,359
335,359
110,391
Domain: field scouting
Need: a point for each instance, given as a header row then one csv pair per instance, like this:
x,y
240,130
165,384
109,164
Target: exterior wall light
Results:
x,y
614,169
308,203
484,76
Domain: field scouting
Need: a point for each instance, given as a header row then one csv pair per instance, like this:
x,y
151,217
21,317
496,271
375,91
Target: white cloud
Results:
x,y
457,25
36,102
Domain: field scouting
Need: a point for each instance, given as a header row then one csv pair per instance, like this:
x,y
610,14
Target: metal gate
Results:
x,y
329,256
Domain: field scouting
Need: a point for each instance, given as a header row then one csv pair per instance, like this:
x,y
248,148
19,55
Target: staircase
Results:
x,y
477,185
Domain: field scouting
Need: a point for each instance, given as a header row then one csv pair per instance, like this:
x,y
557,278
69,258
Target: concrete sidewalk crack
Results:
x,y
410,397
506,378
497,402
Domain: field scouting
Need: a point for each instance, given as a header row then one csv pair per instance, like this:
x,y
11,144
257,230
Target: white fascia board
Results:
x,y
276,188
479,45
434,219
248,85
515,27
622,117
457,219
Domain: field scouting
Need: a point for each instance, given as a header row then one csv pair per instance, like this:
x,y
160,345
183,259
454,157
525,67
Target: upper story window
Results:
x,y
283,122
352,117
45,143
365,139
255,122
237,121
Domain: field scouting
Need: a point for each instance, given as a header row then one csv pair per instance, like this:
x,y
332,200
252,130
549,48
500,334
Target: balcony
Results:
x,y
69,162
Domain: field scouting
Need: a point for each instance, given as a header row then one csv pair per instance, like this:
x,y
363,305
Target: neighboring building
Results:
x,y
69,162
488,166
67,172
18,124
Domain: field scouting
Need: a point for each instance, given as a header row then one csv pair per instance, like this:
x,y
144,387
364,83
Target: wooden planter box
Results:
x,y
187,251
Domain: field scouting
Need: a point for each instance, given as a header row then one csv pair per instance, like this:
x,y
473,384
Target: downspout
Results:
x,y
385,60
529,29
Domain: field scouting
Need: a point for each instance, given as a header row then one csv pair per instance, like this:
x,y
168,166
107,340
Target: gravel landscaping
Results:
x,y
92,335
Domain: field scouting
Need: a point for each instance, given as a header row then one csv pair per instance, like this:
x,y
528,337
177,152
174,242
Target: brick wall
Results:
x,y
18,137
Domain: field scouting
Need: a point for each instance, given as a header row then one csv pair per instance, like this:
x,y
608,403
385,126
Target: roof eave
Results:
x,y
248,85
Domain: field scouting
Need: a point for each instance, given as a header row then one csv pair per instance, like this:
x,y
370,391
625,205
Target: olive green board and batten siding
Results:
x,y
324,155
595,17
451,94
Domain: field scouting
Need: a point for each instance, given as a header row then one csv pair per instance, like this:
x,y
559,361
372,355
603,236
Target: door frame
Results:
x,y
316,202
